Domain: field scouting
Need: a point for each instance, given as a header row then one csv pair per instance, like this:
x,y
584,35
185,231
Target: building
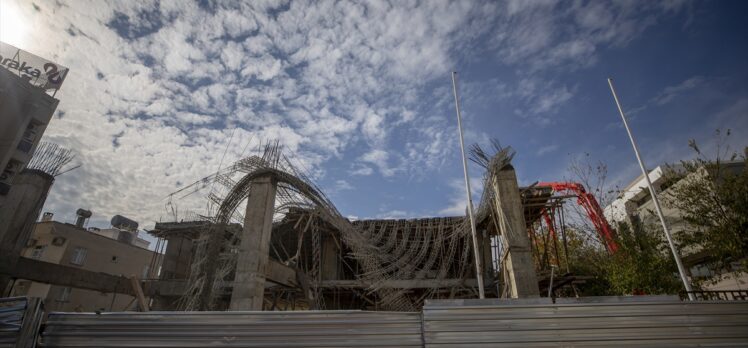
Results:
x,y
635,205
25,106
118,234
98,250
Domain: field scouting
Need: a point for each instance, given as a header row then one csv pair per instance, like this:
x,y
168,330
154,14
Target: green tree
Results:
x,y
711,195
643,263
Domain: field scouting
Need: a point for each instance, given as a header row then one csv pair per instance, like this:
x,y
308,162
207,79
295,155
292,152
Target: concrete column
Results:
x,y
522,280
249,281
177,257
23,204
487,259
329,267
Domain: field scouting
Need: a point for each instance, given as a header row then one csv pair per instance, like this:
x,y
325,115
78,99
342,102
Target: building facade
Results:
x,y
634,205
27,87
93,250
26,111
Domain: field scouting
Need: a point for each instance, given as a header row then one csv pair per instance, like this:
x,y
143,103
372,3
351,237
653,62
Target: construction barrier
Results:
x,y
645,321
588,322
20,318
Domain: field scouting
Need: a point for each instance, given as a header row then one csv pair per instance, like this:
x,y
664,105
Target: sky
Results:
x,y
360,94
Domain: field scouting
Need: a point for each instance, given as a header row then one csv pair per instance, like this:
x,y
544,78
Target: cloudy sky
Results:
x,y
360,92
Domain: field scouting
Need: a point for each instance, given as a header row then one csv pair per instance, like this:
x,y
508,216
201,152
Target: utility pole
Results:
x,y
681,269
478,268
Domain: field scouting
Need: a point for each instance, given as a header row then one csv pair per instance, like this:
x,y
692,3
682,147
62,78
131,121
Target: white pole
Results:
x,y
478,268
656,202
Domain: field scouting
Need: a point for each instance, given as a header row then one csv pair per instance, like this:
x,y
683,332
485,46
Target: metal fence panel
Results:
x,y
20,318
641,322
234,329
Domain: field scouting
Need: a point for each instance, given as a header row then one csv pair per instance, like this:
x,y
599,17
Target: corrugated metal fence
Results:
x,y
234,329
589,322
630,322
20,318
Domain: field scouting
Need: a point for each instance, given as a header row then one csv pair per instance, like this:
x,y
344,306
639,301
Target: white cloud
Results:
x,y
380,159
362,170
547,149
458,200
546,34
342,185
393,214
156,89
671,92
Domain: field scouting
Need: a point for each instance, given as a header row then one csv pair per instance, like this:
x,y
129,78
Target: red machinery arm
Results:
x,y
591,207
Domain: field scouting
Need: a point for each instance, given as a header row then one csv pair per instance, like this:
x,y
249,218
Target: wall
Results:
x,y
100,257
25,111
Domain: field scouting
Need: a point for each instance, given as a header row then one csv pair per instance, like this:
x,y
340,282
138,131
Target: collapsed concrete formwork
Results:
x,y
339,264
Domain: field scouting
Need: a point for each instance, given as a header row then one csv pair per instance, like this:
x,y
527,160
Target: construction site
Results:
x,y
272,262
277,265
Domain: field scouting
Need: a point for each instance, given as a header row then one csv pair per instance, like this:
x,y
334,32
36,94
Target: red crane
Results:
x,y
591,207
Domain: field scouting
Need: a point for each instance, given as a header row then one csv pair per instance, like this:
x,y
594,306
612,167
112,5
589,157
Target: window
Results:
x,y
79,256
146,270
36,254
64,295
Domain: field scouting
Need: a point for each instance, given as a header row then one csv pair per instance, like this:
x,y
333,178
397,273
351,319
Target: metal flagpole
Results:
x,y
656,202
478,268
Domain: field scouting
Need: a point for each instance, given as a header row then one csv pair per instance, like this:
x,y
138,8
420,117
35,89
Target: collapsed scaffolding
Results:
x,y
380,251
341,264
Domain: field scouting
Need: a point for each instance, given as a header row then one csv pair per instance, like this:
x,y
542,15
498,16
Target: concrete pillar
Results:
x,y
177,258
23,204
522,280
329,268
249,281
487,259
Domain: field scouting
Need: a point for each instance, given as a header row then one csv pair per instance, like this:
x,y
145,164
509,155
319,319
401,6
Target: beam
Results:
x,y
52,273
142,303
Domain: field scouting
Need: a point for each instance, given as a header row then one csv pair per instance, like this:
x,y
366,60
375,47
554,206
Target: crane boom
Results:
x,y
590,206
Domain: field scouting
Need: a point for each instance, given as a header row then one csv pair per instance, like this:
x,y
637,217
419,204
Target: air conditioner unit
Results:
x,y
58,241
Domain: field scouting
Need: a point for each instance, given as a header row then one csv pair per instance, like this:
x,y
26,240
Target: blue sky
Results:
x,y
360,93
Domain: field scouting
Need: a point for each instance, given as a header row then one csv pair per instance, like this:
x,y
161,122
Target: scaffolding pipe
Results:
x,y
678,262
478,268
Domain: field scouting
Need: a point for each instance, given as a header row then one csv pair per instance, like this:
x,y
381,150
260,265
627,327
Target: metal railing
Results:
x,y
717,295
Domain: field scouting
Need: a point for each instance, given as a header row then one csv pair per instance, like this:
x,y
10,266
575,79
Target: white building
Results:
x,y
634,204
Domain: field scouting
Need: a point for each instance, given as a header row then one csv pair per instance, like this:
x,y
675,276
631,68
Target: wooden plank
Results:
x,y
139,293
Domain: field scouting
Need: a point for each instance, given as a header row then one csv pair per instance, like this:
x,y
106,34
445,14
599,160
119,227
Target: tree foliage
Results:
x,y
643,263
712,196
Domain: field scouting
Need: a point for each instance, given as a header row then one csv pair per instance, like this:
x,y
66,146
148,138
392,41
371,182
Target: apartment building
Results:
x,y
113,251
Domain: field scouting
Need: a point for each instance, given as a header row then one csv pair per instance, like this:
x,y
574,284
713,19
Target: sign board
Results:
x,y
38,71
